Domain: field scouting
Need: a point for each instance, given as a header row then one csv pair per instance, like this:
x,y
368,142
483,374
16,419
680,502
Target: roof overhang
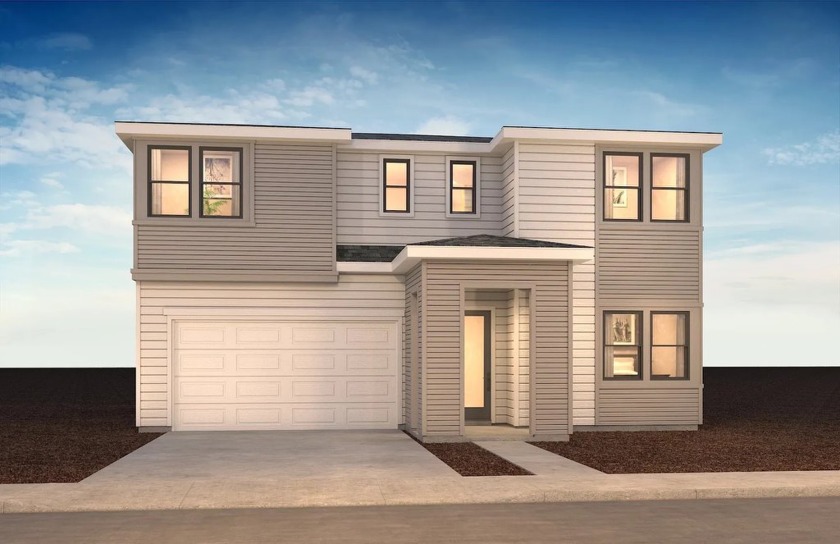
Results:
x,y
128,131
702,140
411,255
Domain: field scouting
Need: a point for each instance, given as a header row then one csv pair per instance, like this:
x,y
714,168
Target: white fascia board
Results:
x,y
411,255
704,140
129,131
414,146
364,268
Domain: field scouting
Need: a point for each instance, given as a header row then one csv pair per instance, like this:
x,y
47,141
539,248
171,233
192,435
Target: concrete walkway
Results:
x,y
556,480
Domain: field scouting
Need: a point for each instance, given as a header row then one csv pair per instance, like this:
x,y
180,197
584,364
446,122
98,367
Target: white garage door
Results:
x,y
285,375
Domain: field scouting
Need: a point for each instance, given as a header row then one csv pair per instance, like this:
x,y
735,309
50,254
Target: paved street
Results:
x,y
799,520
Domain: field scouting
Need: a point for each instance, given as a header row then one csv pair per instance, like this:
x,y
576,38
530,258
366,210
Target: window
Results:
x,y
669,187
622,347
396,186
221,182
169,181
669,346
622,181
462,187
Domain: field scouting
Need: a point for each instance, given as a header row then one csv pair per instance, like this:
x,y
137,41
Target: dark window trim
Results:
x,y
639,345
473,190
201,183
150,182
407,186
639,189
686,346
685,190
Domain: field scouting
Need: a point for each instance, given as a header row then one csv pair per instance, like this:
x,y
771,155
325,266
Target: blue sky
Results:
x,y
767,75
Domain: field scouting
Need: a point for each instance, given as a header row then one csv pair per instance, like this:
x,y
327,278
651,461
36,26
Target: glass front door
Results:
x,y
477,366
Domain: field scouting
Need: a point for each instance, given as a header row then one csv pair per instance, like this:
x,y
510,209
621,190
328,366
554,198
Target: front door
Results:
x,y
477,366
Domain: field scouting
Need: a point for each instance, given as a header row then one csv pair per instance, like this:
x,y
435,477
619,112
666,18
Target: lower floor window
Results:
x,y
622,347
669,345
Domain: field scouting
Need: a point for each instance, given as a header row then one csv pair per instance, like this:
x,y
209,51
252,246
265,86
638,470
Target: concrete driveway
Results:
x,y
276,456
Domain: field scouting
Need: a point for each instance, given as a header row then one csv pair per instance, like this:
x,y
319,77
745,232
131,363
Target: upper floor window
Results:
x,y
169,181
669,187
221,181
669,345
622,345
462,187
396,185
622,183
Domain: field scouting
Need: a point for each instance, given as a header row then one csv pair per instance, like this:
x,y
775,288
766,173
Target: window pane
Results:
x,y
667,205
170,199
221,200
667,362
668,329
170,165
622,171
621,362
620,203
395,199
462,175
396,173
221,166
621,330
462,201
668,172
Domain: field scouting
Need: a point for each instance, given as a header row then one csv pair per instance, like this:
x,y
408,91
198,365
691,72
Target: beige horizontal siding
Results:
x,y
293,230
657,263
556,202
359,220
443,319
353,297
649,406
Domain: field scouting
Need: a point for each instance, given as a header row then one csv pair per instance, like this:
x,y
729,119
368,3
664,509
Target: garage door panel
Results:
x,y
285,390
294,416
230,362
285,375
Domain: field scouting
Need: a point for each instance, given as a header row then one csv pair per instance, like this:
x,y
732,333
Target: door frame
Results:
x,y
489,314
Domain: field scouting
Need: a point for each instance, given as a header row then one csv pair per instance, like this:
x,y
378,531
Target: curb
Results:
x,y
72,504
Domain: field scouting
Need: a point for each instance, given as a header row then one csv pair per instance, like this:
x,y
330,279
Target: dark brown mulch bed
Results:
x,y
755,419
62,425
468,459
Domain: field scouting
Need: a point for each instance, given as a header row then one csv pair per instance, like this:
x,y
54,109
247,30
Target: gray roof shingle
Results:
x,y
367,254
386,254
488,240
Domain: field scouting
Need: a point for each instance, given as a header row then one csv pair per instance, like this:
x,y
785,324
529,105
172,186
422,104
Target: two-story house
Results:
x,y
546,279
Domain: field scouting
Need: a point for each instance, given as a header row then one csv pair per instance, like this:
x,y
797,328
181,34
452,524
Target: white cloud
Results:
x,y
17,248
309,96
825,149
68,41
51,120
365,75
51,180
447,125
669,107
89,218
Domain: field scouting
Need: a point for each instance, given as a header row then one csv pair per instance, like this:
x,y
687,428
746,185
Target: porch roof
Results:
x,y
398,260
